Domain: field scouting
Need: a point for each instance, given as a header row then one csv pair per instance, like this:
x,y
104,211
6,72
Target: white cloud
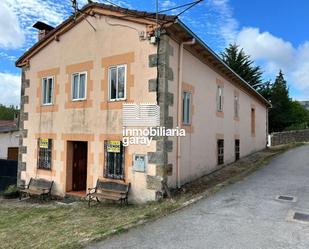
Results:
x,y
274,53
10,89
22,14
263,45
7,56
30,11
11,35
167,4
227,24
214,22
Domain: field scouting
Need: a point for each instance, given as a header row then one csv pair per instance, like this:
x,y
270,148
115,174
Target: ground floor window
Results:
x,y
237,149
114,160
220,145
44,153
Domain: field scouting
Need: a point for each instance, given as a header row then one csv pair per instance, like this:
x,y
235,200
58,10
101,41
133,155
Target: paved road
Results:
x,y
244,215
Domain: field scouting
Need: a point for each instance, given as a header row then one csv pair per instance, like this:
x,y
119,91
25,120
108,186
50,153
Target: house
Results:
x,y
9,140
77,77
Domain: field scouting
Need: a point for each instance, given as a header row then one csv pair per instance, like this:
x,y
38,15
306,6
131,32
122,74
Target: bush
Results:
x,y
11,192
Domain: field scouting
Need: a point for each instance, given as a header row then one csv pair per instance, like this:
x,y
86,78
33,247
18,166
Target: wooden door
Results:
x,y
79,166
12,153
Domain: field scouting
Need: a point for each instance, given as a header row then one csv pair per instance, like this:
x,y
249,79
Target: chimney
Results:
x,y
43,28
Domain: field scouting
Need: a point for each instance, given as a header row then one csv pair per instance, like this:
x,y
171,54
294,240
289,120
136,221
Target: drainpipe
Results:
x,y
179,104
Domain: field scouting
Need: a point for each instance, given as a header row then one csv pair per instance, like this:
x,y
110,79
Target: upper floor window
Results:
x,y
186,101
47,90
79,86
220,99
236,106
252,121
117,82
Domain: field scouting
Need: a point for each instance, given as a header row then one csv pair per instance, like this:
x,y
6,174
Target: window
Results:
x,y
220,99
220,145
79,86
117,82
114,160
186,101
236,106
237,149
44,153
47,90
252,121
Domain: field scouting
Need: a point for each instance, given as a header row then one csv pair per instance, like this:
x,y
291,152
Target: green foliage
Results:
x,y
265,89
281,105
11,192
298,116
7,113
241,63
285,114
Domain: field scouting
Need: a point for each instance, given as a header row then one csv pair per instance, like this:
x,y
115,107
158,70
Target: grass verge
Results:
x,y
50,225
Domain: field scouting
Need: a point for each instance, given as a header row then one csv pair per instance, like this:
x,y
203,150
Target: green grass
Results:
x,y
50,225
57,226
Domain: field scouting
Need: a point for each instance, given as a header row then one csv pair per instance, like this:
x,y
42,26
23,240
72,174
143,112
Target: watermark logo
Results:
x,y
146,116
141,115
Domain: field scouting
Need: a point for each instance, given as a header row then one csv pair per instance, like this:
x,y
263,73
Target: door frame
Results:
x,y
69,187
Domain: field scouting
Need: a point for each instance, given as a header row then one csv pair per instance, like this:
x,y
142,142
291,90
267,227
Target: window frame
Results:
x,y
219,98
253,121
188,120
109,82
72,85
236,106
106,174
48,150
47,78
237,149
220,154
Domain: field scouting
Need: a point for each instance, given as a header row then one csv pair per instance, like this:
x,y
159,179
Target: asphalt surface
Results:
x,y
244,215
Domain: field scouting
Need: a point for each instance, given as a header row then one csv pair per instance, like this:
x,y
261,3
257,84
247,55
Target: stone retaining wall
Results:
x,y
286,137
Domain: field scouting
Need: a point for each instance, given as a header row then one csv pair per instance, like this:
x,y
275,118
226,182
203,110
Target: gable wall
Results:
x,y
94,120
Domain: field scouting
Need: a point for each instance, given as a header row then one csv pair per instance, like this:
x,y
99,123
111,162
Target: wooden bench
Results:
x,y
110,191
38,187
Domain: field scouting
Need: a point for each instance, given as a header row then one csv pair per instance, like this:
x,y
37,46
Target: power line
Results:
x,y
77,10
181,6
193,4
190,5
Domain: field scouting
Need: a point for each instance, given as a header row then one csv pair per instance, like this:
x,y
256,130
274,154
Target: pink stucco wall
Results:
x,y
199,148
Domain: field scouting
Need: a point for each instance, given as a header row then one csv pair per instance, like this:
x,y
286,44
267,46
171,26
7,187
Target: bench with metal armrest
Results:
x,y
109,190
38,187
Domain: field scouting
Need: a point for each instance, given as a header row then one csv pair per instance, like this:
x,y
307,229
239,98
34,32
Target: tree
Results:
x,y
281,105
7,113
241,63
298,116
266,89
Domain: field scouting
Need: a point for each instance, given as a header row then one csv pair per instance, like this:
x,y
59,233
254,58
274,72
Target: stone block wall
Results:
x,y
286,137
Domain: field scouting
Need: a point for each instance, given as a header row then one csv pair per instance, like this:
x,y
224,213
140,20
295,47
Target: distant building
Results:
x,y
76,78
9,140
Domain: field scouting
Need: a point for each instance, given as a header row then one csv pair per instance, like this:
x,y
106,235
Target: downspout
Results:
x,y
179,104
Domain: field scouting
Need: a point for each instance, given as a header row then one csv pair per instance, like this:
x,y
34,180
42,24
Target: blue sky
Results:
x,y
273,32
